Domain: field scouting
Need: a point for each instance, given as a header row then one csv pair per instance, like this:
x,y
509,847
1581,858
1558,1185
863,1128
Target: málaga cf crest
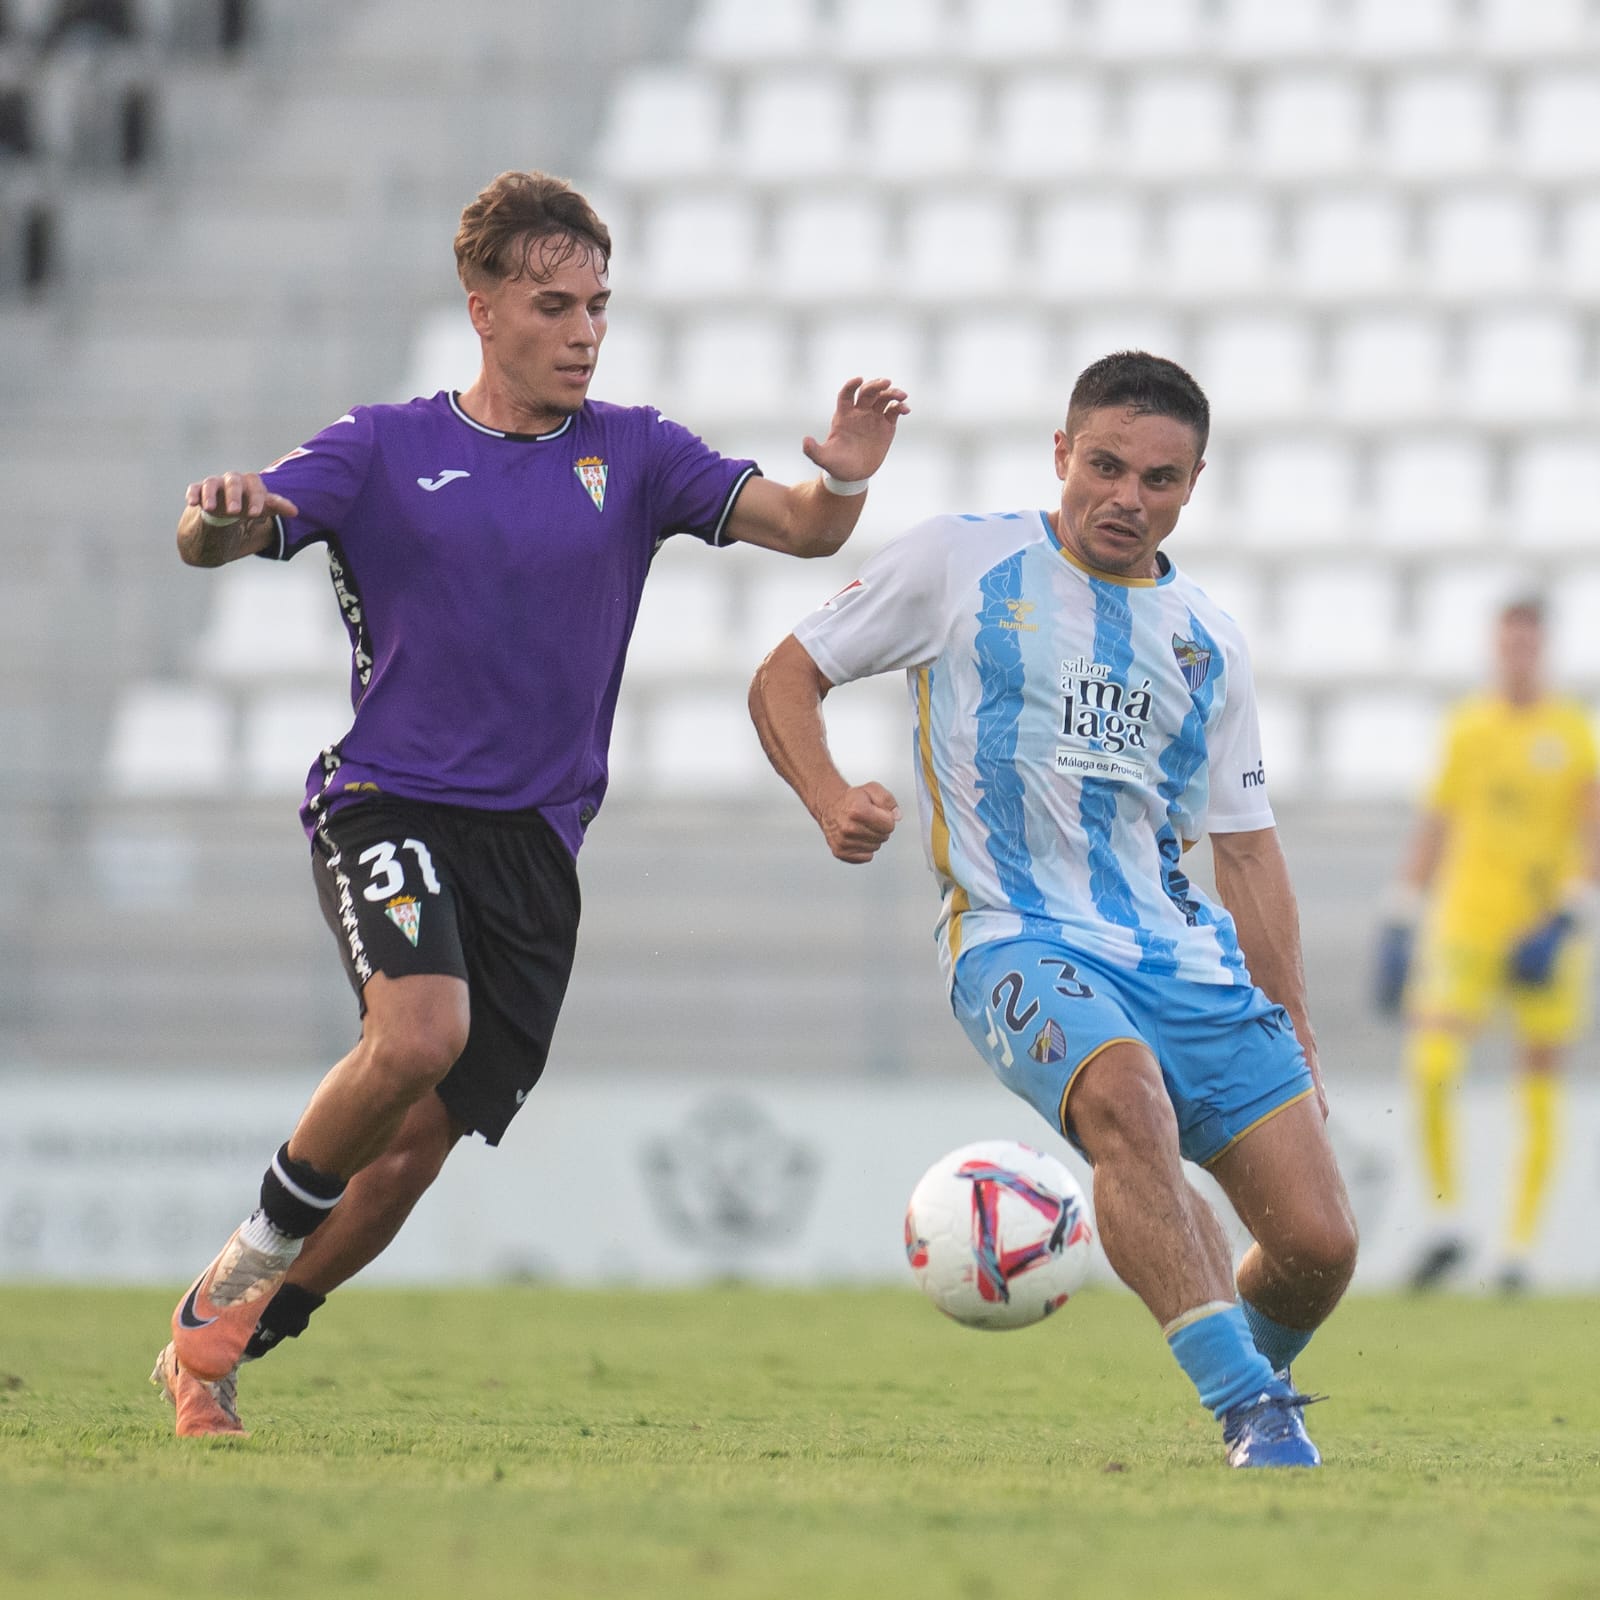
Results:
x,y
591,472
1193,659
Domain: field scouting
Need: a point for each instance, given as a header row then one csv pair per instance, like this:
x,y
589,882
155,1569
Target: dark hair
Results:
x,y
1144,384
527,224
1524,607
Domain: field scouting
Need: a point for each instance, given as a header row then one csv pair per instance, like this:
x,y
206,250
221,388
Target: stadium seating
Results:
x,y
1372,230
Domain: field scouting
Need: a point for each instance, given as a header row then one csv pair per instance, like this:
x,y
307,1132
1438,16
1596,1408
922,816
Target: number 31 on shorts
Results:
x,y
388,875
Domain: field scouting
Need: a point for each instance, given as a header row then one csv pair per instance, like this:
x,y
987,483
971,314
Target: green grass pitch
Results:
x,y
753,1443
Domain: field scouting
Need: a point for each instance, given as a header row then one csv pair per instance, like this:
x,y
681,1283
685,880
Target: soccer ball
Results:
x,y
998,1234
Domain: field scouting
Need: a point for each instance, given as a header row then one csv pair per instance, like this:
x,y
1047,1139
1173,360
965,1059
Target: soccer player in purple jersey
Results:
x,y
488,550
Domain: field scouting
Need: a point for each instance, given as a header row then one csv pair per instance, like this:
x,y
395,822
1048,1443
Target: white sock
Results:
x,y
259,1233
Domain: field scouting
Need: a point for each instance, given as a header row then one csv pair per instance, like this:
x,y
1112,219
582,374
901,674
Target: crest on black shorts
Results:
x,y
406,914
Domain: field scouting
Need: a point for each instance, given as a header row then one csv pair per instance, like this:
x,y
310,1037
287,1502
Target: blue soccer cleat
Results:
x,y
1270,1432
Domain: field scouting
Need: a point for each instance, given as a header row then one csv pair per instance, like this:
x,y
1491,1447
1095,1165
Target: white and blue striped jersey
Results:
x,y
1075,733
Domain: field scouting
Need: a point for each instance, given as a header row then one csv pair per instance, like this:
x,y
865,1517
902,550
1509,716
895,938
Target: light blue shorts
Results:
x,y
1039,1012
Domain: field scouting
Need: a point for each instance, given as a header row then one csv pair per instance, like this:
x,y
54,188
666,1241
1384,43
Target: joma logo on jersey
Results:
x,y
1097,708
591,472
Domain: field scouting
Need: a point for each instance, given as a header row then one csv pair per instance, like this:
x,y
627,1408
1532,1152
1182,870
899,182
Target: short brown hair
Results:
x,y
1145,384
527,224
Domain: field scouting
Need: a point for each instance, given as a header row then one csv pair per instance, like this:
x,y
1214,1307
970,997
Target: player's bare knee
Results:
x,y
415,1059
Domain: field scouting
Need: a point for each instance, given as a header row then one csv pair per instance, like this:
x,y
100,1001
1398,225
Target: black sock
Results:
x,y
286,1316
296,1197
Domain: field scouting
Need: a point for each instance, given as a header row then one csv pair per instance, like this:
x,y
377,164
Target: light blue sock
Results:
x,y
1212,1344
1280,1345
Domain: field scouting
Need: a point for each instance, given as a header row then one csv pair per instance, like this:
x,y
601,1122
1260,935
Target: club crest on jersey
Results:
x,y
1050,1043
591,472
404,912
1194,660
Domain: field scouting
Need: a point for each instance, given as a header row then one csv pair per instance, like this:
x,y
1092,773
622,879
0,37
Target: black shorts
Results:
x,y
487,896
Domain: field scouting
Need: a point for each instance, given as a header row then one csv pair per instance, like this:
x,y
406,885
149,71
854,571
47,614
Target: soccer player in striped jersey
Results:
x,y
1500,882
1083,715
487,549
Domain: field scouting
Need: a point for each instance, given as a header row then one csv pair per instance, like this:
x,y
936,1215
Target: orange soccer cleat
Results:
x,y
202,1408
214,1321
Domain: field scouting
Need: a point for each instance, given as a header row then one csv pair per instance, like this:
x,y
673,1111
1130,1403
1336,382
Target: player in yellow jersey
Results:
x,y
1499,889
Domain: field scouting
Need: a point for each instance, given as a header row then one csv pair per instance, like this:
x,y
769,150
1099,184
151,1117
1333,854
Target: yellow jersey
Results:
x,y
1514,790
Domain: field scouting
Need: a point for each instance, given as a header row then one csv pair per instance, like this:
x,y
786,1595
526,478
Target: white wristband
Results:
x,y
843,486
212,520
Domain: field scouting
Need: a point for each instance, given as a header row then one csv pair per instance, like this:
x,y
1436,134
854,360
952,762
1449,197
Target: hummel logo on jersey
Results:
x,y
449,475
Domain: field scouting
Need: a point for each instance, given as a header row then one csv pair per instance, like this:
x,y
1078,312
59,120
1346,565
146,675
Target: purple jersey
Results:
x,y
489,583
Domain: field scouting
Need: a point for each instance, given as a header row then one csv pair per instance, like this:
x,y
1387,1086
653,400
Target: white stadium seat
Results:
x,y
959,246
1220,243
876,31
1049,124
1091,243
1440,124
738,33
662,123
1285,743
778,595
1237,586
1382,30
1255,366
870,732
1015,472
1578,266
1482,241
1548,505
993,365
268,620
1174,28
1307,123
1277,30
1297,491
699,743
1378,744
683,621
1431,490
1137,327
1387,366
1523,366
924,480
1348,243
697,245
1574,648
170,739
1455,611
873,344
732,366
1336,619
1012,30
282,732
922,125
1179,124
1558,124
1510,30
796,123
830,244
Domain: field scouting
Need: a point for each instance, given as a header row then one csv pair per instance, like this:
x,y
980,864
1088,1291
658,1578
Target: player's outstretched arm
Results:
x,y
786,697
815,518
228,516
1253,883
